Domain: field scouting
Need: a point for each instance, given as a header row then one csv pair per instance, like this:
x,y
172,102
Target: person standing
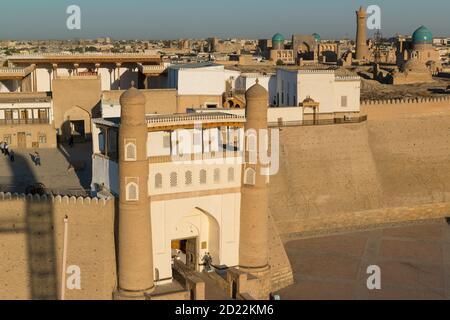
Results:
x,y
2,147
37,159
11,156
6,148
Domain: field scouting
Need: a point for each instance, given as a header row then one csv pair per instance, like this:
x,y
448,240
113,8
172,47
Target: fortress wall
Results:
x,y
347,176
281,270
391,109
351,221
31,244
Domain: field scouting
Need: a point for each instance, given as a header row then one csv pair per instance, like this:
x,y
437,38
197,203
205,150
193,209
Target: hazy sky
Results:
x,y
173,19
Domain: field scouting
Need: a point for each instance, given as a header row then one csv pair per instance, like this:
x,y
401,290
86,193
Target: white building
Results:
x,y
337,96
203,82
194,182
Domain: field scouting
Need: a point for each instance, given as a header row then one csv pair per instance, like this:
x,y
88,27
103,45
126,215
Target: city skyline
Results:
x,y
137,19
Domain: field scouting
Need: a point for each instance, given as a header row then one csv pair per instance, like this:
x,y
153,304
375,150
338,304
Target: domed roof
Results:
x,y
422,36
316,36
308,99
256,91
278,37
132,96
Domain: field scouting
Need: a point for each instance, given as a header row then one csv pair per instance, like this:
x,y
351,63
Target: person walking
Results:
x,y
11,155
37,159
2,147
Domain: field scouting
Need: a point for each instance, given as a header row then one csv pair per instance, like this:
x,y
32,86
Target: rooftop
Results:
x,y
157,120
197,65
84,57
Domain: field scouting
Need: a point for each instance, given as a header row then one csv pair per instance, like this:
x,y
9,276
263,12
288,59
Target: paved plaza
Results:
x,y
56,172
414,262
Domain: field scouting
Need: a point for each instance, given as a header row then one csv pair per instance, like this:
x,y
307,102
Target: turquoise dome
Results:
x,y
316,37
278,38
422,36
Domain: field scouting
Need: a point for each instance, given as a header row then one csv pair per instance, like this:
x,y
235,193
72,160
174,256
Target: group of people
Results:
x,y
7,152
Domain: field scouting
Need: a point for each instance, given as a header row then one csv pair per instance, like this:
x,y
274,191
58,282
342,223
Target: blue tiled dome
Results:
x,y
278,38
422,36
316,37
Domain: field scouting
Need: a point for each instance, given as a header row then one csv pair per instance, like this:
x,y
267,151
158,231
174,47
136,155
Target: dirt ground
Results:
x,y
414,262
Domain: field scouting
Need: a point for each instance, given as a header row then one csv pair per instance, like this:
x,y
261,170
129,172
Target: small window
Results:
x,y
188,178
173,179
252,142
202,176
101,142
158,181
230,174
42,138
130,151
250,177
132,192
343,101
217,175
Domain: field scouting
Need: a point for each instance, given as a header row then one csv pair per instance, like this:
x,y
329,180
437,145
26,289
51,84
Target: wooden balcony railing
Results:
x,y
24,121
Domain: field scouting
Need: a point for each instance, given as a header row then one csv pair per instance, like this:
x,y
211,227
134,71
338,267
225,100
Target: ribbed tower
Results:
x,y
362,52
135,267
253,250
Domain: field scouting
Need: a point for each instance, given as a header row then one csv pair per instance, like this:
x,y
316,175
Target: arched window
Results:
x,y
130,152
173,179
230,174
203,176
158,181
250,177
132,192
188,178
101,142
252,142
217,175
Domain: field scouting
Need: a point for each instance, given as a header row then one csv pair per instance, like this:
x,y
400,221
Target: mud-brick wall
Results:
x,y
392,109
31,246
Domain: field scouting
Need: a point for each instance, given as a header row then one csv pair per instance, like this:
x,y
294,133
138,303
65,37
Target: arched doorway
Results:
x,y
194,236
77,123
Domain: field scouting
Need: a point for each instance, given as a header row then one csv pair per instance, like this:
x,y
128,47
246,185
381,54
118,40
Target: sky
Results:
x,y
175,19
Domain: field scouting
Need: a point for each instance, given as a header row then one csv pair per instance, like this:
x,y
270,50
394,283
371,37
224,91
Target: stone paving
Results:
x,y
55,173
414,262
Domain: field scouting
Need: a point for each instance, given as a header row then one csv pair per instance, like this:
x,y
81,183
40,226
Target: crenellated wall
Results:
x,y
31,245
390,109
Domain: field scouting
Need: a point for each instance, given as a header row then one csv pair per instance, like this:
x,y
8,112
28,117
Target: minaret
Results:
x,y
253,247
135,258
361,39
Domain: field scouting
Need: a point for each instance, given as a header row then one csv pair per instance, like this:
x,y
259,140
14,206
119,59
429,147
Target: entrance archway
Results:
x,y
77,123
194,235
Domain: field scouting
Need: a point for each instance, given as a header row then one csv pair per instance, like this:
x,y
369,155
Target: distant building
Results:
x,y
417,58
338,97
200,85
